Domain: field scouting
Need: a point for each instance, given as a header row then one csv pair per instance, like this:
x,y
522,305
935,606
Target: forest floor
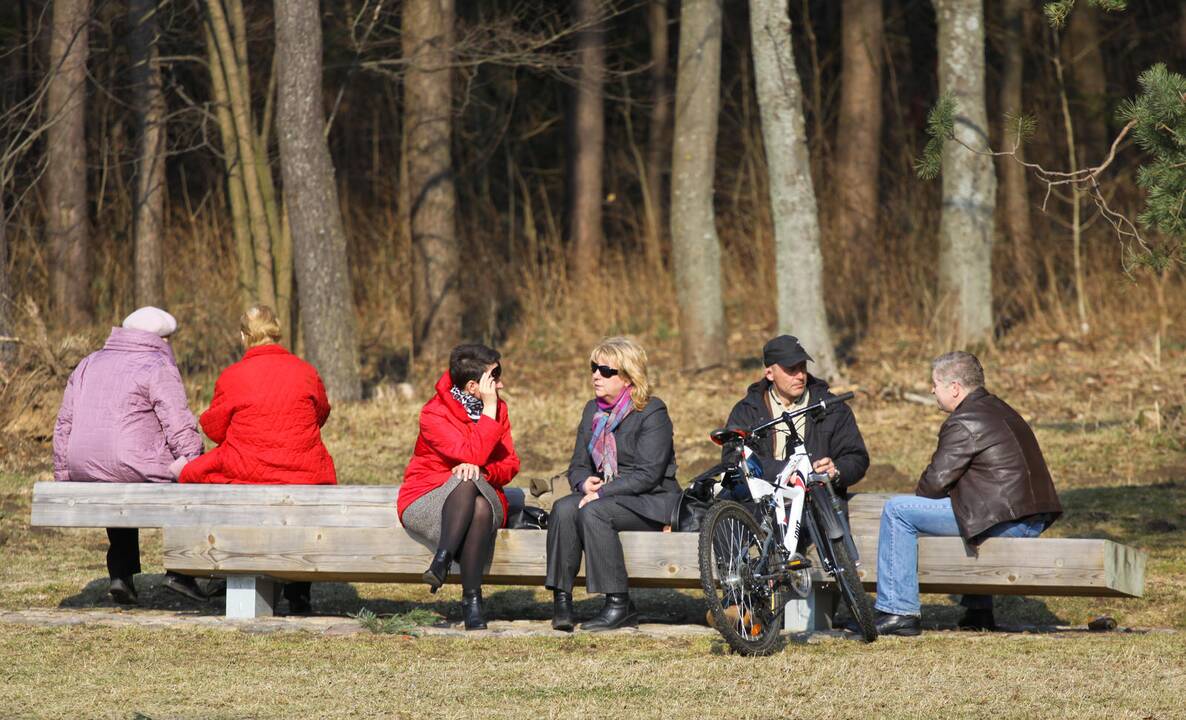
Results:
x,y
1108,415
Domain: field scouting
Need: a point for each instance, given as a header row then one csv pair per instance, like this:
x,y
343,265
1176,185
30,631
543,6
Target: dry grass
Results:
x,y
112,673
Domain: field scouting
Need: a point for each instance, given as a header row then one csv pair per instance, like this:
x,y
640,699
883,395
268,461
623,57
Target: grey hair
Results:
x,y
961,367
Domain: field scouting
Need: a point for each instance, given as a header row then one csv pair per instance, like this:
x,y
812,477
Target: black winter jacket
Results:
x,y
832,434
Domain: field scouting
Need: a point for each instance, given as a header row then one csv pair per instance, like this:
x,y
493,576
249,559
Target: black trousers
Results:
x,y
123,556
591,531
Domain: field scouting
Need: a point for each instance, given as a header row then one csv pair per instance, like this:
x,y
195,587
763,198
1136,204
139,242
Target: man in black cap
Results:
x,y
833,440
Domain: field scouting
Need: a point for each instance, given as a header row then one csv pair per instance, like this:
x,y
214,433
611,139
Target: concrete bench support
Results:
x,y
250,596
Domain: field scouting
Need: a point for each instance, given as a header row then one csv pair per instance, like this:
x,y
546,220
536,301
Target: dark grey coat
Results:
x,y
646,481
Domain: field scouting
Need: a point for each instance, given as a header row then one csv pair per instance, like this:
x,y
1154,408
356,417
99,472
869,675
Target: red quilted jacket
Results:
x,y
266,417
449,438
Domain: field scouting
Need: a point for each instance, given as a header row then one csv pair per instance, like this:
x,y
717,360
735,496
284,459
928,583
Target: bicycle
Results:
x,y
749,556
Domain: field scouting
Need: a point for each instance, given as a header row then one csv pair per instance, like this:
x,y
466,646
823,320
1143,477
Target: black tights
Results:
x,y
467,532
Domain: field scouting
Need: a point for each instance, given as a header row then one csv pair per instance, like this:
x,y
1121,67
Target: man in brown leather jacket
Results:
x,y
987,478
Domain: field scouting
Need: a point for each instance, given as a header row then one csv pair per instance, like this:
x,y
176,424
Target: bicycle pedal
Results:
x,y
798,564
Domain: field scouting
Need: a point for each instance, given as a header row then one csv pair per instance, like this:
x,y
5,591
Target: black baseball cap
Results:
x,y
784,350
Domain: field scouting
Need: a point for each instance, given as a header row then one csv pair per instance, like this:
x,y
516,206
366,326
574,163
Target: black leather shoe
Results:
x,y
618,612
471,610
562,611
123,591
185,586
974,619
438,570
890,624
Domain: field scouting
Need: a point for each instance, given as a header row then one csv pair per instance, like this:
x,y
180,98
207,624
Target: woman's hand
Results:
x,y
467,471
590,497
488,391
592,484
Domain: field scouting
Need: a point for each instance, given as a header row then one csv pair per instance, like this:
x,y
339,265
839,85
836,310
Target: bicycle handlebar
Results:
x,y
786,417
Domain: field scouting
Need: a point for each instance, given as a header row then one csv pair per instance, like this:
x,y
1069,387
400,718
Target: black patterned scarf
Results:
x,y
473,406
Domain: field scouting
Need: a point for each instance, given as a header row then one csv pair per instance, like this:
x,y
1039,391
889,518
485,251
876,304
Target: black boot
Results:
x,y
618,612
562,611
438,570
471,610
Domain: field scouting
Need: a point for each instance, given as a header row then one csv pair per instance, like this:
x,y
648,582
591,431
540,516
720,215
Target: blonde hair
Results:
x,y
631,361
259,326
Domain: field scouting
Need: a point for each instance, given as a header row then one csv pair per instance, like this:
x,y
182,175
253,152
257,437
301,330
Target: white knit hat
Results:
x,y
152,319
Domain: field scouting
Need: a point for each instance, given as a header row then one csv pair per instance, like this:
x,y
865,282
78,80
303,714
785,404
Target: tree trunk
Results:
x,y
584,229
149,105
234,69
659,141
969,183
319,241
7,341
236,193
65,174
1082,54
695,248
1014,196
858,149
428,102
798,264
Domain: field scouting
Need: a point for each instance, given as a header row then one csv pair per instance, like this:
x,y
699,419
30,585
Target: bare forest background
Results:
x,y
398,176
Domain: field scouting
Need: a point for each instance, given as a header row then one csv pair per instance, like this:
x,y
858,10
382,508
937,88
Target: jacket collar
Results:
x,y
269,349
970,399
127,340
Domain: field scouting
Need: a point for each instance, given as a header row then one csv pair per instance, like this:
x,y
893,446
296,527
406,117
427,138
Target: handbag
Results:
x,y
694,502
528,518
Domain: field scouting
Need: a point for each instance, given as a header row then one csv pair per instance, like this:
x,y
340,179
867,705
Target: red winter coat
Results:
x,y
449,438
266,417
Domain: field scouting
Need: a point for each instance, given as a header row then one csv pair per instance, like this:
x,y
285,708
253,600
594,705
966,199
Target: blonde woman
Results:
x,y
623,478
266,417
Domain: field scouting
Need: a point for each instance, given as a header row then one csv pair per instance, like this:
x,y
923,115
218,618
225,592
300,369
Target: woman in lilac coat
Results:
x,y
124,418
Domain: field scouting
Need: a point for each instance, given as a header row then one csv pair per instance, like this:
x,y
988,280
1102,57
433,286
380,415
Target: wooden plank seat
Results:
x,y
254,534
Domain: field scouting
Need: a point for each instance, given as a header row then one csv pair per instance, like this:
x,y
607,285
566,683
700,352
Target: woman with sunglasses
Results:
x,y
622,475
452,495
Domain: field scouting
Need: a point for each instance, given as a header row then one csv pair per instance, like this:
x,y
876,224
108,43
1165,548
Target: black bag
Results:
x,y
528,518
694,501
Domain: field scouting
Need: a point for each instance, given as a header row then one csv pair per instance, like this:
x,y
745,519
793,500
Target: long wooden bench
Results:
x,y
254,535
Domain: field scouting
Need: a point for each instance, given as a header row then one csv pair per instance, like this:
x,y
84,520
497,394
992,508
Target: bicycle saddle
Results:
x,y
724,436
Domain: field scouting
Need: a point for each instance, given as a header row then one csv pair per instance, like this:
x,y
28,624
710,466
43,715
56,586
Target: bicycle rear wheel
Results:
x,y
743,608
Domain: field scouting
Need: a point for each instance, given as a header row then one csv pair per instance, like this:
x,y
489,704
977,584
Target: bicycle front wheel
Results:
x,y
854,593
743,608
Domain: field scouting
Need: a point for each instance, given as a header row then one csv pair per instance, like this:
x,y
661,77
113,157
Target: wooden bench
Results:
x,y
255,535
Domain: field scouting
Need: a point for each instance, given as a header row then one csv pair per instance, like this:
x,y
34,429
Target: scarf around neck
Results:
x,y
473,406
603,446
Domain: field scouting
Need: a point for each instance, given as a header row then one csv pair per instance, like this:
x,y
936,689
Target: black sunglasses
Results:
x,y
606,371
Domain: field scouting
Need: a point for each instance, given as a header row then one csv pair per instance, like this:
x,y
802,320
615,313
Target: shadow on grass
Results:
x,y
152,596
1152,517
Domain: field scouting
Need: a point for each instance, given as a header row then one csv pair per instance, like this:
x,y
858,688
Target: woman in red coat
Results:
x,y
266,417
452,490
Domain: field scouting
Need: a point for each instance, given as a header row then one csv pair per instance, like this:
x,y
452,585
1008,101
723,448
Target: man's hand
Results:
x,y
467,471
827,467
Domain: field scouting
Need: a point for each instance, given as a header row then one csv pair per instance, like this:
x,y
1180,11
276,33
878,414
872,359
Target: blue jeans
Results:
x,y
903,519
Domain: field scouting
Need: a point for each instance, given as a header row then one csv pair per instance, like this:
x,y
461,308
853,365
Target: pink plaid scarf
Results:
x,y
603,446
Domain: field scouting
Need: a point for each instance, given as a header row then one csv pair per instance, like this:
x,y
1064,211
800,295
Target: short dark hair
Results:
x,y
469,362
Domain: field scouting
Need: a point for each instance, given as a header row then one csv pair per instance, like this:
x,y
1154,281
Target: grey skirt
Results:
x,y
423,517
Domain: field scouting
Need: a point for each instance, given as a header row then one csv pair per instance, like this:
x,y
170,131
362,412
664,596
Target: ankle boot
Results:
x,y
471,610
562,611
618,612
438,570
